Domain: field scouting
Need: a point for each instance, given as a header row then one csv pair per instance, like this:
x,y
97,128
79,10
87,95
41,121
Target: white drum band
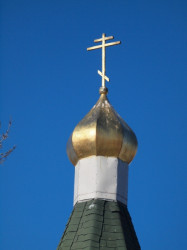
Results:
x,y
99,177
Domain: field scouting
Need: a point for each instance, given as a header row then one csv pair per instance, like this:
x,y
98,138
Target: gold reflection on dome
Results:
x,y
102,132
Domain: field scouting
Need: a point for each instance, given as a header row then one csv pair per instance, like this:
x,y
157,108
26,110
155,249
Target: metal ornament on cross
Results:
x,y
103,89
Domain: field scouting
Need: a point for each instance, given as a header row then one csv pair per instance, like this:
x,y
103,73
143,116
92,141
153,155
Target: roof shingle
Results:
x,y
99,224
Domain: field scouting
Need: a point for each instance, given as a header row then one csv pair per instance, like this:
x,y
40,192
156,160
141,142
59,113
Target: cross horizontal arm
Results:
x,y
95,47
101,74
114,43
106,45
101,39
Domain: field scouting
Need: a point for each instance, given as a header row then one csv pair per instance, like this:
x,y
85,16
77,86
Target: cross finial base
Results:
x,y
103,90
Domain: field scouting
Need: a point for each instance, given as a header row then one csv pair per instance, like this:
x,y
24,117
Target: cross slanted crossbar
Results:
x,y
103,46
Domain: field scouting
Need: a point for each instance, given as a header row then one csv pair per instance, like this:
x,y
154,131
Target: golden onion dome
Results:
x,y
102,132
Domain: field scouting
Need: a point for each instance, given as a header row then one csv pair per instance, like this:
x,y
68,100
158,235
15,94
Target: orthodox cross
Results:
x,y
103,46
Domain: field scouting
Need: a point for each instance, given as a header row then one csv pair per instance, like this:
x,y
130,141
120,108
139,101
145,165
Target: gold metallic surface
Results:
x,y
103,46
103,90
102,132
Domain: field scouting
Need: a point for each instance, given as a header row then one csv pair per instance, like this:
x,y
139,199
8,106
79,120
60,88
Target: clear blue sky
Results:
x,y
48,82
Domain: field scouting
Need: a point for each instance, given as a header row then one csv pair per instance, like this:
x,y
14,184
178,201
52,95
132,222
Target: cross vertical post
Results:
x,y
103,89
103,60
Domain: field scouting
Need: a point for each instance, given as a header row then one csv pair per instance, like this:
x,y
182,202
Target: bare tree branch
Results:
x,y
3,137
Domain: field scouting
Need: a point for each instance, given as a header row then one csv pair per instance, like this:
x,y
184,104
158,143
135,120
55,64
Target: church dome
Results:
x,y
102,132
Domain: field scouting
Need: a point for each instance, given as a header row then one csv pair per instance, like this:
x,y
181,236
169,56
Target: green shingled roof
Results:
x,y
99,224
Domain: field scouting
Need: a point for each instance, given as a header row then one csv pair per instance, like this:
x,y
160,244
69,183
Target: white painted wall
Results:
x,y
99,177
